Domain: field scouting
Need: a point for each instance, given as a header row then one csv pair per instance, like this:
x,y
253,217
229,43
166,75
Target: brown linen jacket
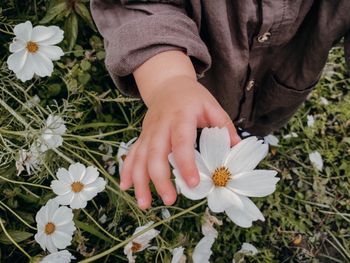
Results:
x,y
259,58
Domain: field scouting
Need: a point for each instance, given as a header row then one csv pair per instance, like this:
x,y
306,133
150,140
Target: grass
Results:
x,y
307,218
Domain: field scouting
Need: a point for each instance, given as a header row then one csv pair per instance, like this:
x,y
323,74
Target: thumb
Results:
x,y
217,117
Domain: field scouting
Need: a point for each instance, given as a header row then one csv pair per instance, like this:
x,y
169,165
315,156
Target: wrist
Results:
x,y
154,73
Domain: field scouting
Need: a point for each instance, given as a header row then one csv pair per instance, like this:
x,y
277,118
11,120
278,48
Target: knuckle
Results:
x,y
138,157
179,139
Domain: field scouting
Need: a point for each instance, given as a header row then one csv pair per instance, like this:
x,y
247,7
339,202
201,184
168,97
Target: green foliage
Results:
x,y
307,218
68,11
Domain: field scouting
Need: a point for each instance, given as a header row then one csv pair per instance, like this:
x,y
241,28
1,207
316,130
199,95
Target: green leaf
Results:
x,y
71,30
16,235
85,65
54,11
84,13
347,140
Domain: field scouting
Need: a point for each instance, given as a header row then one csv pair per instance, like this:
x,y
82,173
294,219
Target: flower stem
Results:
x,y
13,241
24,183
14,113
16,215
99,226
108,251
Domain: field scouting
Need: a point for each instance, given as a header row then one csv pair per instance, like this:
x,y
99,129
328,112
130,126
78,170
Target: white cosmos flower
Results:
x,y
141,242
208,223
178,255
51,136
109,162
246,249
77,185
34,50
202,251
123,151
316,160
227,175
63,256
28,160
34,101
310,120
290,135
55,226
324,101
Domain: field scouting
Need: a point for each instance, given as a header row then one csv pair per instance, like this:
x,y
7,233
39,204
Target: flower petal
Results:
x,y
40,238
68,228
77,202
40,217
42,65
52,52
60,188
77,170
23,31
65,199
256,183
56,38
214,145
50,208
90,176
64,176
316,160
221,198
178,255
50,245
249,249
244,216
41,33
246,155
88,194
61,240
62,216
98,185
59,257
201,165
17,45
27,71
17,61
200,191
202,251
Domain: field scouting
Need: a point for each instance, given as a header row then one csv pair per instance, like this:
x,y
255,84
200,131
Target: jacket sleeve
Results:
x,y
136,30
347,49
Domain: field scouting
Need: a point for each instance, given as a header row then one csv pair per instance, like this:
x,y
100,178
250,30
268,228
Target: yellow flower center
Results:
x,y
32,47
135,247
50,228
77,187
221,176
123,157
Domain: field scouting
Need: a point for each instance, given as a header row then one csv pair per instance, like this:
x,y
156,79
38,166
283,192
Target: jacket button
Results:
x,y
250,85
264,37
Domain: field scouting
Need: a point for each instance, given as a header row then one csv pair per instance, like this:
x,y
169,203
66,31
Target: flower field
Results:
x,y
65,131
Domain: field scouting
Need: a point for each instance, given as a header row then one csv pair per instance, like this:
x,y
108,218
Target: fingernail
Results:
x,y
141,202
122,185
167,199
193,182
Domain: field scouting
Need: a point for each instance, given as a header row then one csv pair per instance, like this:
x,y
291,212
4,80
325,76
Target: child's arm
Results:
x,y
158,47
177,105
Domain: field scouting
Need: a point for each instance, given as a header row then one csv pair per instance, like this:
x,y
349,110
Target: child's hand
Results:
x,y
176,109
